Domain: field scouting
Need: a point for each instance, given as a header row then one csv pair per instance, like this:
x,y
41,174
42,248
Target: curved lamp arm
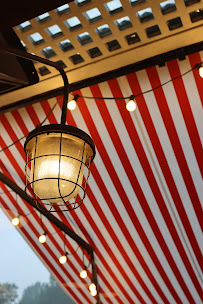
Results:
x,y
32,57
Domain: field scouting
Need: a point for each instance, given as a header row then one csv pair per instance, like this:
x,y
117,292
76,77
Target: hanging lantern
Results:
x,y
56,158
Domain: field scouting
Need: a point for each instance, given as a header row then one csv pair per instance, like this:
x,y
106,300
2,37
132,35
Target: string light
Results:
x,y
15,221
42,238
93,292
131,105
132,97
198,66
63,258
83,273
72,104
93,289
201,71
92,286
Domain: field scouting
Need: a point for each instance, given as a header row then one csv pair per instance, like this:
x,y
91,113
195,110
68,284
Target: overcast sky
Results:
x,y
18,263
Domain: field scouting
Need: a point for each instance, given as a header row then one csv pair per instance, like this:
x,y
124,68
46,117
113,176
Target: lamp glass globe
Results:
x,y
47,166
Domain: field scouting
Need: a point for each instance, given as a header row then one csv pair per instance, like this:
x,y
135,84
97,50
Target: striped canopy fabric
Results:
x,y
142,212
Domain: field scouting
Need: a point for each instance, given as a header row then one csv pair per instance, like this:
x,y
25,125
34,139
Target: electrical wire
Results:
x,y
142,93
15,142
9,191
107,98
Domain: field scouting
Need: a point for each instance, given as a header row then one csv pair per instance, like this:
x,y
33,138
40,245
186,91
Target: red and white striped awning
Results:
x,y
142,213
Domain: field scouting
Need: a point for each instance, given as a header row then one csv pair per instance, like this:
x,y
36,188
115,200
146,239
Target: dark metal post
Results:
x,y
94,276
48,215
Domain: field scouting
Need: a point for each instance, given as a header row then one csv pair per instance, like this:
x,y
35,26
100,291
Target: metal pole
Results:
x,y
94,275
48,215
32,57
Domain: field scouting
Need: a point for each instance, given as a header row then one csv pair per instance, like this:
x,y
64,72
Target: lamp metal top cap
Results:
x,y
58,128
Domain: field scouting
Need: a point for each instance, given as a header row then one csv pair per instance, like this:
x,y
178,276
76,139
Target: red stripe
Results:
x,y
48,263
129,239
124,198
156,192
37,218
46,107
100,256
51,253
52,119
173,136
20,121
33,116
13,162
123,158
52,239
164,110
187,114
194,59
5,122
93,224
164,165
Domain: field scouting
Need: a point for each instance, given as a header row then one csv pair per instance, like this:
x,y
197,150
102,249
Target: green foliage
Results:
x,y
45,293
8,293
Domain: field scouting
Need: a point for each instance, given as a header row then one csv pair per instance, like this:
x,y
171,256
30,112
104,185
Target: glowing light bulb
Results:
x,y
131,105
71,105
63,259
201,72
92,287
42,238
93,292
15,221
83,274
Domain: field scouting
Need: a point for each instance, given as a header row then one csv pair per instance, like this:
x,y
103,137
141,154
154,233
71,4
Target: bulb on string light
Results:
x,y
131,105
63,259
42,238
72,104
93,292
15,221
92,286
83,273
201,71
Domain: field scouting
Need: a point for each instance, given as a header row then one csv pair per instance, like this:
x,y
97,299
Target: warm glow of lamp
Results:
x,y
201,71
42,238
15,221
131,105
63,259
58,156
83,273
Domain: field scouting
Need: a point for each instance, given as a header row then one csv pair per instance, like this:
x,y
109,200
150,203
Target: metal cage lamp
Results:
x,y
57,156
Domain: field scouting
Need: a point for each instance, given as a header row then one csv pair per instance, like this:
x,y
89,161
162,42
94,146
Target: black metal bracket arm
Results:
x,y
32,57
7,181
